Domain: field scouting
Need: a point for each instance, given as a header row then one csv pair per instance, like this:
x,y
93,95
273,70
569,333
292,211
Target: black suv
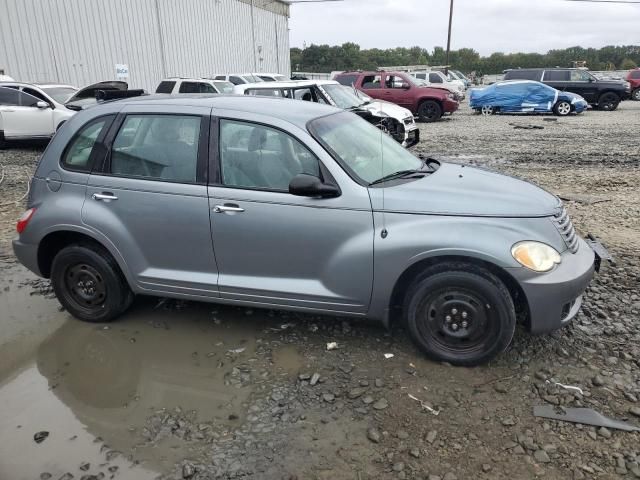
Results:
x,y
603,94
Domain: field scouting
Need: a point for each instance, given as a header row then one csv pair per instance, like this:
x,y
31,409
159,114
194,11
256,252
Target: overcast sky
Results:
x,y
485,25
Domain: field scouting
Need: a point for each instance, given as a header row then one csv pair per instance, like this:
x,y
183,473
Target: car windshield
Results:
x,y
224,87
252,78
343,96
364,150
60,94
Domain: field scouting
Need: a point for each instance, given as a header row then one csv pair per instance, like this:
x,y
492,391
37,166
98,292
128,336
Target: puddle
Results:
x,y
102,383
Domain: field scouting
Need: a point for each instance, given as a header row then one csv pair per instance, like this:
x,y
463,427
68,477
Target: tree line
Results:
x,y
348,56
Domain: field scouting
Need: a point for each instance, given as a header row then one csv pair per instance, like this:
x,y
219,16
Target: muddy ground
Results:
x,y
192,390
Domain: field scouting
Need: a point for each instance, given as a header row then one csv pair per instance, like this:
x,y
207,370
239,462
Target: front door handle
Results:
x,y
228,207
103,196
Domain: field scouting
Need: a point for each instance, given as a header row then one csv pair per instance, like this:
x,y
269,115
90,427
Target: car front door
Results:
x,y
22,117
395,90
584,84
149,198
277,249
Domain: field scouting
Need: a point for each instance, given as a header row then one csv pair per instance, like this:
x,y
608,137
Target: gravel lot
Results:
x,y
195,391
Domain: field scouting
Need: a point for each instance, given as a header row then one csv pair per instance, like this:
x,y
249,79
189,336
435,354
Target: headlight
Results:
x,y
537,256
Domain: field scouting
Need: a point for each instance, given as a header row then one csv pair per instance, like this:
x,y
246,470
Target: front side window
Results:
x,y
363,149
580,76
189,87
303,94
27,100
394,81
435,78
260,157
35,93
78,152
157,147
556,76
372,81
236,80
224,87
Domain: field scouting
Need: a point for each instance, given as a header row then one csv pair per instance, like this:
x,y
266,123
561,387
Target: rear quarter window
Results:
x,y
78,154
165,87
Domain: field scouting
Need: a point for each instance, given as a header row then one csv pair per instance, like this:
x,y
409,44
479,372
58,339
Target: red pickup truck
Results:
x,y
428,103
633,77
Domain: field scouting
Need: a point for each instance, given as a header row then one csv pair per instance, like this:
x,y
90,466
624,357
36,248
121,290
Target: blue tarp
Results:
x,y
522,96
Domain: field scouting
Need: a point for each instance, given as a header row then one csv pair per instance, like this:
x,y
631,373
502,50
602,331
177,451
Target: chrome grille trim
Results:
x,y
565,228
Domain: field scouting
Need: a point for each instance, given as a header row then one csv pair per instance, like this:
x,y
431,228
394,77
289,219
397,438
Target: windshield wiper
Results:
x,y
395,175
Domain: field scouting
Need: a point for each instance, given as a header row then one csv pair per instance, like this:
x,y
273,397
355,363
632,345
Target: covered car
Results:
x,y
525,96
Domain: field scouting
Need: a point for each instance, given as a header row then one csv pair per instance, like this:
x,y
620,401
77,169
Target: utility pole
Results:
x,y
446,68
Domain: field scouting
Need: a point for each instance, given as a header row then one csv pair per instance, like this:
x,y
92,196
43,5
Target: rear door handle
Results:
x,y
103,196
228,207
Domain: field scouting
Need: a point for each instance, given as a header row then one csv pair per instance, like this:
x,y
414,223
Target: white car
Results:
x,y
6,78
37,111
395,120
194,85
272,77
438,79
239,78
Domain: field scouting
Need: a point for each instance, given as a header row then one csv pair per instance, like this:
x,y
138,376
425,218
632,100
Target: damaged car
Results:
x,y
391,118
525,96
263,202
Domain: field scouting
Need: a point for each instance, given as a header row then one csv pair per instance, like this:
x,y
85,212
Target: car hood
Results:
x,y
463,190
382,108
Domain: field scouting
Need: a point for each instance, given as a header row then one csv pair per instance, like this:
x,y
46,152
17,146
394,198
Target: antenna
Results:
x,y
384,231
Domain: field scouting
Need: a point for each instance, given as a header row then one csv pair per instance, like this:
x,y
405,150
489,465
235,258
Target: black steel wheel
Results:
x,y
460,313
429,111
89,283
636,94
608,101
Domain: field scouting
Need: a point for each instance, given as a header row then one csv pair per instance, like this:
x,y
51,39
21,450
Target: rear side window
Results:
x,y
421,76
372,81
78,153
264,92
522,75
9,96
165,87
189,87
347,80
557,75
157,147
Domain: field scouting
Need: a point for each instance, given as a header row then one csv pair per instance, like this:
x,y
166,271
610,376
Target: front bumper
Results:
x,y
27,255
554,298
450,106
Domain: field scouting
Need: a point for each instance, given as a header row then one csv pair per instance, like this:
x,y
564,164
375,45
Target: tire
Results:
x,y
635,95
487,110
429,111
89,284
435,307
562,108
608,102
3,142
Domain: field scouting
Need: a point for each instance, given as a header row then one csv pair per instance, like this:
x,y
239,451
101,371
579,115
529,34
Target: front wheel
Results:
x,y
89,284
429,111
562,108
636,94
608,102
460,313
487,110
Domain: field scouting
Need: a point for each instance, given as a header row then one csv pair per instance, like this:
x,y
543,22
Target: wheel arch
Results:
x,y
421,100
414,270
56,240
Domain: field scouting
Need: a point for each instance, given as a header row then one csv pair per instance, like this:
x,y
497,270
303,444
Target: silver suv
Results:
x,y
285,204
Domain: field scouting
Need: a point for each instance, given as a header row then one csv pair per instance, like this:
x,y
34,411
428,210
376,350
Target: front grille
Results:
x,y
565,227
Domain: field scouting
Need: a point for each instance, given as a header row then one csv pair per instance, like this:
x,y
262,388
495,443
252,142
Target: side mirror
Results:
x,y
42,105
304,185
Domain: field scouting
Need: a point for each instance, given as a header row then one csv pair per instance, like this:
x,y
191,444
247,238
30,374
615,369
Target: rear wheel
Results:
x,y
89,284
562,108
636,94
608,101
429,111
460,313
3,142
487,110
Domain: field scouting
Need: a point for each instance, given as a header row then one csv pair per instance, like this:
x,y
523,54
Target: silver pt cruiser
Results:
x,y
287,204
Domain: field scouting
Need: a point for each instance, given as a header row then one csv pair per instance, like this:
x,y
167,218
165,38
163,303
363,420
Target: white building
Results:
x,y
80,42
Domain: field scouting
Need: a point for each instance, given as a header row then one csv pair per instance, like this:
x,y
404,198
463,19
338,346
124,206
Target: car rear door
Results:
x,y
558,79
21,116
372,86
274,248
149,198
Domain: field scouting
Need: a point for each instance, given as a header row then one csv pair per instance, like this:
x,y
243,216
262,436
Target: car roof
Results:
x,y
295,112
39,85
286,84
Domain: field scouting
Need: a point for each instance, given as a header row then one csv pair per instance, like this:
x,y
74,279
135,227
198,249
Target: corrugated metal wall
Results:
x,y
80,41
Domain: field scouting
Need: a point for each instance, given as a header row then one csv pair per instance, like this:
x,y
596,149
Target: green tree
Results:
x,y
628,64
